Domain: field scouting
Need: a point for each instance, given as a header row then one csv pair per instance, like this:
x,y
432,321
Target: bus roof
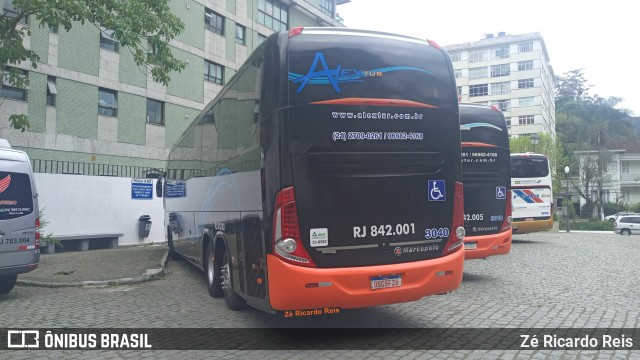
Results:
x,y
356,32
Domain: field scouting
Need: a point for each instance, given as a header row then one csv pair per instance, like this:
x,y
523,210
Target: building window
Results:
x,y
477,56
525,65
500,70
479,90
273,14
208,117
626,195
9,90
261,38
107,41
500,52
213,21
459,88
241,34
525,47
213,72
508,122
478,73
503,105
155,112
326,6
51,91
525,101
500,88
10,11
525,83
456,56
107,102
457,73
624,167
525,120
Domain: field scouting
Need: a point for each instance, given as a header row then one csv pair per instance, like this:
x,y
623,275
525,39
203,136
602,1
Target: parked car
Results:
x,y
613,217
627,225
19,238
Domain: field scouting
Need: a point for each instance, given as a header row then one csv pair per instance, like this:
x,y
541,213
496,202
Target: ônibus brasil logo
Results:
x,y
338,75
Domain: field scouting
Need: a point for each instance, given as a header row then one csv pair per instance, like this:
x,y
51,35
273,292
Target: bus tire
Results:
x,y
7,283
172,252
212,271
234,301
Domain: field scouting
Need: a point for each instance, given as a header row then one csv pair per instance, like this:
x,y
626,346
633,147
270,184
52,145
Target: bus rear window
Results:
x,y
367,68
529,167
16,199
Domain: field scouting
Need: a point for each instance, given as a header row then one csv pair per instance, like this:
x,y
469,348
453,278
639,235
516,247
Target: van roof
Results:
x,y
4,144
13,155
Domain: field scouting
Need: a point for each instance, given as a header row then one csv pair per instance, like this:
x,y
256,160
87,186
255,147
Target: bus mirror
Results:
x,y
159,186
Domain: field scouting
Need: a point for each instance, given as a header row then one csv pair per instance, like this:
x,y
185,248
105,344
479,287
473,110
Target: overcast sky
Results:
x,y
600,37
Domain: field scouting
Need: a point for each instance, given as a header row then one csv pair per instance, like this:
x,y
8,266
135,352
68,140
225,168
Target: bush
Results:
x,y
612,208
588,225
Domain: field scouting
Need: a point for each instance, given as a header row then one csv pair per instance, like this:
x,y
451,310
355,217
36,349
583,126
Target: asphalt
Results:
x,y
124,265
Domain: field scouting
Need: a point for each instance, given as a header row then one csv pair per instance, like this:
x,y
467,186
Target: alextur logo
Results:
x,y
334,77
23,339
4,183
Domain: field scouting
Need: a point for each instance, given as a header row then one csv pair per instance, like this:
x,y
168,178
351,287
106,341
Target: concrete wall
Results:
x,y
77,204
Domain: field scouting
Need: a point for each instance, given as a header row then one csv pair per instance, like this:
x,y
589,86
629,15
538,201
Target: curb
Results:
x,y
150,274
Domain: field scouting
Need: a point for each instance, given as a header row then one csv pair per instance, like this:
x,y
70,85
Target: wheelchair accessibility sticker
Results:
x,y
501,192
436,190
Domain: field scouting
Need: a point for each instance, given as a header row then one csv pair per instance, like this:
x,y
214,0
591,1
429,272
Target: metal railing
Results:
x,y
93,169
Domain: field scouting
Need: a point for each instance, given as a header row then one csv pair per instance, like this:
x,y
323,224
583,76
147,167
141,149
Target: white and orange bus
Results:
x,y
532,193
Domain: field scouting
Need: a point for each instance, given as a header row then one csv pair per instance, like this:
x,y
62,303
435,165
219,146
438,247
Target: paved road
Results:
x,y
549,280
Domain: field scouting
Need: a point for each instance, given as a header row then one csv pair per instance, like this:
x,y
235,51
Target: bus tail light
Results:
x,y
506,223
457,225
295,31
38,232
287,242
434,44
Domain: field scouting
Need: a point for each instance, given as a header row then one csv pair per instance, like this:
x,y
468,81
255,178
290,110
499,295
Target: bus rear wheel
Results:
x,y
214,278
7,283
234,301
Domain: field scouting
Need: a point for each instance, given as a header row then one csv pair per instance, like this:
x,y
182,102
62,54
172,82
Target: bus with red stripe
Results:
x,y
532,193
326,173
486,178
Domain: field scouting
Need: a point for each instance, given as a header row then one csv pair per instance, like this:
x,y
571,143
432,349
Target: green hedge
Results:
x,y
588,225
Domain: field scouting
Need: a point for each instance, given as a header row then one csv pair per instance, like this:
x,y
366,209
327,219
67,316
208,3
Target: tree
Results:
x,y
145,27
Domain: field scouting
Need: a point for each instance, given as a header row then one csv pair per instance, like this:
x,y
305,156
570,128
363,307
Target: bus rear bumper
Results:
x,y
295,287
488,245
524,227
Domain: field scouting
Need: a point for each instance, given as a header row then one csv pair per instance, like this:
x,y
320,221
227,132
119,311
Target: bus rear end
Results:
x,y
485,174
532,193
370,206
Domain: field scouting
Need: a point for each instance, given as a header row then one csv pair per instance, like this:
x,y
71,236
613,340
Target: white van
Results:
x,y
19,222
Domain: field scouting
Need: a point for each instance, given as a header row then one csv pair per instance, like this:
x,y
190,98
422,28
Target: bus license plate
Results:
x,y
470,246
386,282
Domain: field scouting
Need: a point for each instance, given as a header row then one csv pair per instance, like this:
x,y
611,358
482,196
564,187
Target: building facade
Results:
x,y
93,111
511,72
618,175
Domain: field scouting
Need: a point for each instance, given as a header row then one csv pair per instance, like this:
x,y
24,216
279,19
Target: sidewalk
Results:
x,y
98,267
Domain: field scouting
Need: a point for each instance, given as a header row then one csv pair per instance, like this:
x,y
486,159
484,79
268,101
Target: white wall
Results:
x,y
78,204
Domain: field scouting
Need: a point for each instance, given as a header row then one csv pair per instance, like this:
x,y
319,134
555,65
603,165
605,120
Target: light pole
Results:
x,y
568,197
534,140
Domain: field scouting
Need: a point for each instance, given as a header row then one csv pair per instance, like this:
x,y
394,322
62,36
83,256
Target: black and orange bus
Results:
x,y
487,181
326,173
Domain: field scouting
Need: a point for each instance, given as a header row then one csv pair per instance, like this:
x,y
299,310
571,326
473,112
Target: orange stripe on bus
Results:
x,y
375,102
465,143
